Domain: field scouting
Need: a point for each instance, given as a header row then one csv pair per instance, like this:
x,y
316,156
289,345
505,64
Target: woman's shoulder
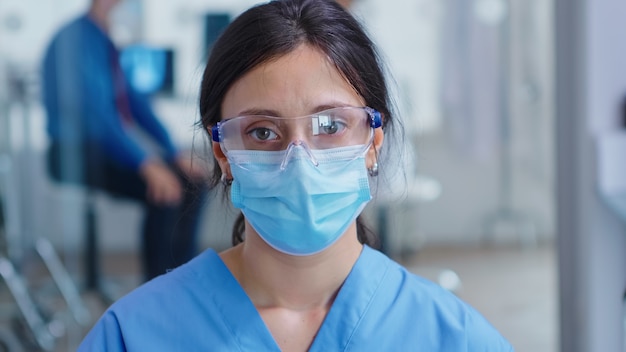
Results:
x,y
419,292
399,277
421,306
196,278
187,297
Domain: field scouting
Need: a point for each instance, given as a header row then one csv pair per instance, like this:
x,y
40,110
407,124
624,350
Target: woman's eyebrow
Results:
x,y
269,112
324,107
260,112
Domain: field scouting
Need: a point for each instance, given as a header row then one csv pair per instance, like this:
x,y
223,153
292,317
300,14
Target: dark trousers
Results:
x,y
169,233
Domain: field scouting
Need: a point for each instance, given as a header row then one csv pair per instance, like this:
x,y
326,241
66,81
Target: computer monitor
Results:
x,y
214,25
149,69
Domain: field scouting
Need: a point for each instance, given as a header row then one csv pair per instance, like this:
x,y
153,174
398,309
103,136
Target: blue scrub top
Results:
x,y
381,306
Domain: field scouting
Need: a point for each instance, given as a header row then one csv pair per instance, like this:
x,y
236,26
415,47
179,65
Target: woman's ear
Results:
x,y
377,143
221,160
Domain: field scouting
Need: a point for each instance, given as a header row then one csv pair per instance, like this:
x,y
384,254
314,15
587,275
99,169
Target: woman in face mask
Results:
x,y
295,102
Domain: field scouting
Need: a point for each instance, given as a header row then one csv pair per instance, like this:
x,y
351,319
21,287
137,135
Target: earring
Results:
x,y
226,182
373,171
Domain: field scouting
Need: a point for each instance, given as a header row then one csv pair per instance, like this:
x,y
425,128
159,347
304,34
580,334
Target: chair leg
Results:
x,y
63,281
93,273
92,260
35,323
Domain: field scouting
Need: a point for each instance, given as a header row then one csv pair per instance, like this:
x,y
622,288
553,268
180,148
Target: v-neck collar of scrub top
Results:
x,y
349,308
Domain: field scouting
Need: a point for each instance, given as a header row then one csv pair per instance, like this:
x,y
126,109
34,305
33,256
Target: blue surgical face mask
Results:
x,y
303,208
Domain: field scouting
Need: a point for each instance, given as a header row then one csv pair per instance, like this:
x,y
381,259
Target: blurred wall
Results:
x,y
474,87
591,83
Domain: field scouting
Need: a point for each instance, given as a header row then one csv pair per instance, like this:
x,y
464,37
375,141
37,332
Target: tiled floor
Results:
x,y
514,289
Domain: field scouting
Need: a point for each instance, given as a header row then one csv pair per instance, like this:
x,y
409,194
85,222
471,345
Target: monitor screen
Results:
x,y
214,25
149,69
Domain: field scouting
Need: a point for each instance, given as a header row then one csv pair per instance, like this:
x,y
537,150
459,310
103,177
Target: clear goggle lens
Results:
x,y
333,128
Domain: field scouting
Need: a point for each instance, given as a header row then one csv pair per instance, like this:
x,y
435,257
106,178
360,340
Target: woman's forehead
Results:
x,y
294,84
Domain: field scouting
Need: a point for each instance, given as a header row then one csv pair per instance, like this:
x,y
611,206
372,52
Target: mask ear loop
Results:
x,y
376,121
226,182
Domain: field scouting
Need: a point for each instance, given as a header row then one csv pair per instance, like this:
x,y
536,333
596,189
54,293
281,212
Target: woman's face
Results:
x,y
300,83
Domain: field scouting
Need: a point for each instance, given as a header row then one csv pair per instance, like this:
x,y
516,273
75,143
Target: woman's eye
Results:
x,y
333,127
262,134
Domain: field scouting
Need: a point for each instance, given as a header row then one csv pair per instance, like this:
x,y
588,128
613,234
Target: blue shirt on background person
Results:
x,y
79,74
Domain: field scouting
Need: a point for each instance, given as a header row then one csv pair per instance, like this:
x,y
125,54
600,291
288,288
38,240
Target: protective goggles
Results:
x,y
332,128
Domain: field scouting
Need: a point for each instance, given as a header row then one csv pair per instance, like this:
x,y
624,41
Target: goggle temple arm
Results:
x,y
215,133
376,119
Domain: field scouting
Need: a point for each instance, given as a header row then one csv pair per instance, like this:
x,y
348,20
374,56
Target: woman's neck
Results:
x,y
274,279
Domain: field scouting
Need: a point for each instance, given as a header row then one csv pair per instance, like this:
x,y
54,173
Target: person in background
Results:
x,y
298,113
94,118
